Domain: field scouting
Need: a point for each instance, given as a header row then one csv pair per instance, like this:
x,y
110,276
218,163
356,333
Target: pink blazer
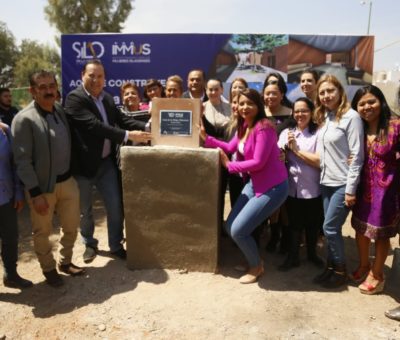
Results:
x,y
261,157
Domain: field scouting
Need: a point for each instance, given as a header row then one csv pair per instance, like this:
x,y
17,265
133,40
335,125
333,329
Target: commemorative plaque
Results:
x,y
174,121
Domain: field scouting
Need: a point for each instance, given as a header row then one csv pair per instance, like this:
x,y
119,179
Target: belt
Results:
x,y
63,177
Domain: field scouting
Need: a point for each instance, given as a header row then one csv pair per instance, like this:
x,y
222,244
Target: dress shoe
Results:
x,y
393,314
325,275
253,274
120,253
16,281
53,278
89,254
335,280
71,269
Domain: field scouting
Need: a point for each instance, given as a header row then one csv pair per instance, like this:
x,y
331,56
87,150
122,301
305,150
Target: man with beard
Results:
x,y
42,153
7,112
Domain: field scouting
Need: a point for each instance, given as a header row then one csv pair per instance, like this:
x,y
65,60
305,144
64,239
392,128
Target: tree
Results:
x,y
8,55
35,56
87,16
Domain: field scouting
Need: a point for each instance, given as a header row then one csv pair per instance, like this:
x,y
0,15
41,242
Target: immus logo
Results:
x,y
123,52
131,49
88,50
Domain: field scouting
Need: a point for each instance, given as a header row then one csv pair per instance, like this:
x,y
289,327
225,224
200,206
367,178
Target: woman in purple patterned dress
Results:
x,y
376,214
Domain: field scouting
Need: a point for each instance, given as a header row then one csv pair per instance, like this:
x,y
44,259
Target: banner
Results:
x,y
138,57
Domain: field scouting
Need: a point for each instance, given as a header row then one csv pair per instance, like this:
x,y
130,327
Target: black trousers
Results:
x,y
9,237
304,214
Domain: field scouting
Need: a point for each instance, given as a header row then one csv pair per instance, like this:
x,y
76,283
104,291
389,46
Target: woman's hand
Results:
x,y
292,144
202,130
349,200
18,205
224,158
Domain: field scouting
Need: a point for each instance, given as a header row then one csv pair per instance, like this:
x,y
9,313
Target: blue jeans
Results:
x,y
335,215
249,212
107,183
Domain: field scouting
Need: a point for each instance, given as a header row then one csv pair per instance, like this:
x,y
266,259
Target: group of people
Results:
x,y
299,167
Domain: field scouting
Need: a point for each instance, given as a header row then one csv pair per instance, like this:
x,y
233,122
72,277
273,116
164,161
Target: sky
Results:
x,y
26,20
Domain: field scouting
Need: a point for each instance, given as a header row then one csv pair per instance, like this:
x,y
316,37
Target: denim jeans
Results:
x,y
335,215
250,211
107,183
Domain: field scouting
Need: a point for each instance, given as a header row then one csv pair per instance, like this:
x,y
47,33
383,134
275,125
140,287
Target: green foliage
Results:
x,y
258,42
35,56
88,16
8,55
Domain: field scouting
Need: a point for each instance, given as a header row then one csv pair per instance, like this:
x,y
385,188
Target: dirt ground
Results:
x,y
112,302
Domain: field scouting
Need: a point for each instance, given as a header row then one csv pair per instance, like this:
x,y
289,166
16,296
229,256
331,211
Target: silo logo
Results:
x,y
88,50
130,52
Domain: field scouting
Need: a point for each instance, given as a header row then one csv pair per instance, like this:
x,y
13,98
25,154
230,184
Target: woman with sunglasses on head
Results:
x,y
304,204
376,214
340,138
258,158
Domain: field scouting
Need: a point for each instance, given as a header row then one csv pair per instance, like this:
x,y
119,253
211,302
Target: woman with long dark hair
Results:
x,y
267,188
376,214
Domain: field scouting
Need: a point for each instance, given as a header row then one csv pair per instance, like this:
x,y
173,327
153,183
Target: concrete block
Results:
x,y
171,207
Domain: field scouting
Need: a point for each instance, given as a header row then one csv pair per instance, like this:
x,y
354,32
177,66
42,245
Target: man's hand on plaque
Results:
x,y
139,136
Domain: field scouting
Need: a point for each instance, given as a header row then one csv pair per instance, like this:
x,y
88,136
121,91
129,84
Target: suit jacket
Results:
x,y
89,131
186,94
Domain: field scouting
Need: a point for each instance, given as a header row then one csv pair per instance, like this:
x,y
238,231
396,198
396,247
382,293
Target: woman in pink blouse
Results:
x,y
257,160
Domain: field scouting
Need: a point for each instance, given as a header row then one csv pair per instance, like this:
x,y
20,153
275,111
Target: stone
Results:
x,y
171,207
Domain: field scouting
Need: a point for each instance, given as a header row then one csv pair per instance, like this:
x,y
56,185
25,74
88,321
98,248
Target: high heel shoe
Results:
x,y
360,274
253,274
372,285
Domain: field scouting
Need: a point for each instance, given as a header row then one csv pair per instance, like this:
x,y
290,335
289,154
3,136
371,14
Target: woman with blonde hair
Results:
x,y
341,137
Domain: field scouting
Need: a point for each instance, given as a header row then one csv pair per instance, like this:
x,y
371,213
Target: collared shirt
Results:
x,y
100,106
9,183
303,178
337,141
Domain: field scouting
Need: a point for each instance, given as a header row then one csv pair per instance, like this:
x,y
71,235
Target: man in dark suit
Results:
x,y
196,84
97,126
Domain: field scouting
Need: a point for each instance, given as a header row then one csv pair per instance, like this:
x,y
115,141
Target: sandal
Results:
x,y
360,274
372,285
253,274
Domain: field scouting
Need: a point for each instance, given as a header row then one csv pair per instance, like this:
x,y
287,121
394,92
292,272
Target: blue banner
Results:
x,y
138,57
